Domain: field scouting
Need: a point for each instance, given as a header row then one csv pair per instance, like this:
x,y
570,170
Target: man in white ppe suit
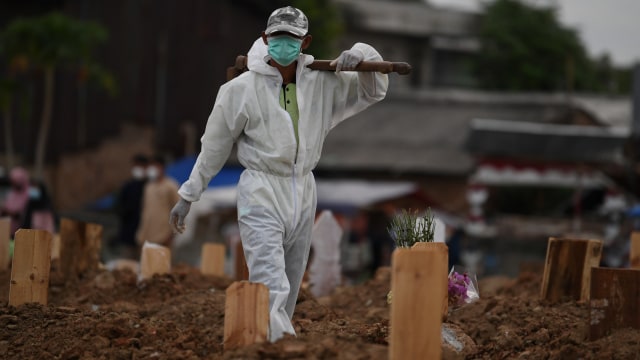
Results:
x,y
279,113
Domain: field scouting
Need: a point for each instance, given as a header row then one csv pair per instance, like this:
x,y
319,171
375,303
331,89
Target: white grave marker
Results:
x,y
325,270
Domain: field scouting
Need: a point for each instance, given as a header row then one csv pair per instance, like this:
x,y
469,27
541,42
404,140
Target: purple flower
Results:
x,y
457,288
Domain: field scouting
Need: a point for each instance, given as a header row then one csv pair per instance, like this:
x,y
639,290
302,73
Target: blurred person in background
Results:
x,y
160,194
455,237
40,213
27,204
356,249
129,208
5,185
382,245
15,204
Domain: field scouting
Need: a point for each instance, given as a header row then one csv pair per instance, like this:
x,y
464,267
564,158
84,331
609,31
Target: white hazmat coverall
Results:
x,y
276,192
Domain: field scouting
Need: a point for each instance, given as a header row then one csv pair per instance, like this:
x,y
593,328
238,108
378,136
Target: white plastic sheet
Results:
x,y
325,270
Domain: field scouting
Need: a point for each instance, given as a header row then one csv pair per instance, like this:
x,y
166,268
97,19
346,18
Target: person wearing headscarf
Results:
x,y
15,205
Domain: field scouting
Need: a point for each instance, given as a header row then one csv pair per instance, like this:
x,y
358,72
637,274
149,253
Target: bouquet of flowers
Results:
x,y
410,227
463,288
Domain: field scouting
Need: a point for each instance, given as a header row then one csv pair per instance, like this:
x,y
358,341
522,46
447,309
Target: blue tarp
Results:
x,y
180,170
634,211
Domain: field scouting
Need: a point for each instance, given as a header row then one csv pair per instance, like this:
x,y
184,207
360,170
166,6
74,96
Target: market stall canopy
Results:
x,y
359,193
342,195
514,173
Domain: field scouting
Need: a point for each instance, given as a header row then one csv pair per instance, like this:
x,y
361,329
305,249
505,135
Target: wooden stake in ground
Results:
x,y
80,244
246,314
55,247
445,250
567,269
242,271
5,235
30,267
634,254
418,285
56,269
155,259
212,259
615,301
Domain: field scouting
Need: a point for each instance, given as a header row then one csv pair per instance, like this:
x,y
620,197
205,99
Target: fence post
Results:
x,y
246,314
615,301
212,259
418,285
30,267
567,268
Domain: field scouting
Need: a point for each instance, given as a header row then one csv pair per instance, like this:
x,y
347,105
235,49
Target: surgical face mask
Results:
x,y
153,172
284,49
137,172
34,193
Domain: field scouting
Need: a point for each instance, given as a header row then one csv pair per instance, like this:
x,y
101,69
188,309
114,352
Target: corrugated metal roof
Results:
x,y
409,18
430,133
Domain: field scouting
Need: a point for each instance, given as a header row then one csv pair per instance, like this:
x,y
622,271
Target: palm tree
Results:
x,y
50,42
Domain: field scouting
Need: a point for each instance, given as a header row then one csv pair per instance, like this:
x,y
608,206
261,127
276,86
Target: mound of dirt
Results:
x,y
110,315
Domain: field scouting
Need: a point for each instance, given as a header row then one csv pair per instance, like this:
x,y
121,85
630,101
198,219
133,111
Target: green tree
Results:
x,y
325,26
47,43
9,88
611,79
525,47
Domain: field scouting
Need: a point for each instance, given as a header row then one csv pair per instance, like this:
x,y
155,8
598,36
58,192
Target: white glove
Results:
x,y
348,60
178,213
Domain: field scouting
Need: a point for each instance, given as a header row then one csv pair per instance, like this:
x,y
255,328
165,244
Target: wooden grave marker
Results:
x,y
5,236
418,285
615,301
30,267
567,269
212,259
80,244
241,269
634,251
444,249
55,247
246,314
155,259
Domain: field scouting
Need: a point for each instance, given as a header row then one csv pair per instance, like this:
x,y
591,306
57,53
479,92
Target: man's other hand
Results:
x,y
178,213
348,60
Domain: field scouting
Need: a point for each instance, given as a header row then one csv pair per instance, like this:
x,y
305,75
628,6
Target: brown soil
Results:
x,y
181,316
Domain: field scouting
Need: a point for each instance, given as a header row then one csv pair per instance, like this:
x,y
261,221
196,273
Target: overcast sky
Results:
x,y
605,25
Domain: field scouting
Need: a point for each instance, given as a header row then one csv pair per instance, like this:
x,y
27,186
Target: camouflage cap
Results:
x,y
288,19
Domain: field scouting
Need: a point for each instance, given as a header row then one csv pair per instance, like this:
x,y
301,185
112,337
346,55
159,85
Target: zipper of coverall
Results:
x,y
295,159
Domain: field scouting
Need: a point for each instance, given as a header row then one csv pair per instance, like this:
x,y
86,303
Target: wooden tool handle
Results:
x,y
384,67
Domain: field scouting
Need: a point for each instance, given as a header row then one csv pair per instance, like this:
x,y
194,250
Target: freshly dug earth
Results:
x,y
109,315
